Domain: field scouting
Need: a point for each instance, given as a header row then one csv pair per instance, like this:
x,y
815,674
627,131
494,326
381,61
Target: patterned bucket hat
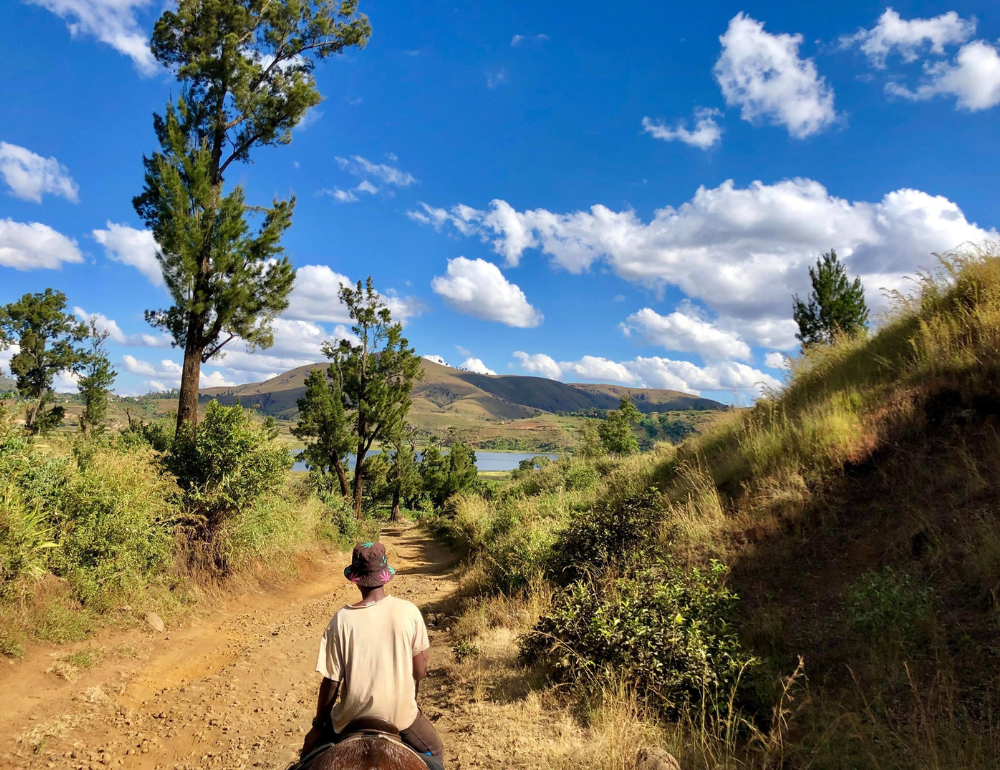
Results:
x,y
369,566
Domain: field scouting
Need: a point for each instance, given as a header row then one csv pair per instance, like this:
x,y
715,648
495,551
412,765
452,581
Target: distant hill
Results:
x,y
7,384
487,411
491,397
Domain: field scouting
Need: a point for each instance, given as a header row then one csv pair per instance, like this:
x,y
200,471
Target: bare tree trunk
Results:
x,y
339,467
187,405
32,415
359,479
395,505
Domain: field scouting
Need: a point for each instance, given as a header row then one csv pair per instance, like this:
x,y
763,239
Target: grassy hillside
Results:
x,y
856,517
488,411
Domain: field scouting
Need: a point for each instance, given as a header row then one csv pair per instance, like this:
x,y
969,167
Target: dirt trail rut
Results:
x,y
233,689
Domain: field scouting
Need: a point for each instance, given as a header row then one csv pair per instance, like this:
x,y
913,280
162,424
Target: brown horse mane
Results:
x,y
368,753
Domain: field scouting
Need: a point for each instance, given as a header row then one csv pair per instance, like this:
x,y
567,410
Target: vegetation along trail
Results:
x,y
233,689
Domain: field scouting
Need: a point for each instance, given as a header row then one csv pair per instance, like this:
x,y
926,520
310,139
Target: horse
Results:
x,y
368,744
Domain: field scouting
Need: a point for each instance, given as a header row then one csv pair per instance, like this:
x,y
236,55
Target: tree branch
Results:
x,y
205,357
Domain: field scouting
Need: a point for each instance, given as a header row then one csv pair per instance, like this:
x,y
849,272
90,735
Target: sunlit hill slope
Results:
x,y
501,410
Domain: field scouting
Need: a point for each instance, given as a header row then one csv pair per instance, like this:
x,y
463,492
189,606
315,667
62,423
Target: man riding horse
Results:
x,y
373,656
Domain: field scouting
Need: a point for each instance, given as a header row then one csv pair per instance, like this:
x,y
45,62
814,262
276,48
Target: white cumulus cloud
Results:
x,y
765,77
136,248
475,365
435,359
31,176
539,363
776,360
315,298
652,372
688,334
706,132
973,78
112,22
478,288
34,246
910,37
742,252
115,333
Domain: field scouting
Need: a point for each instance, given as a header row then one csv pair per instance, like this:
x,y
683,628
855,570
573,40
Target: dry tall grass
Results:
x,y
880,458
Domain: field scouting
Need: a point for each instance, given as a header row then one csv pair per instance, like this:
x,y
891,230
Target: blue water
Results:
x,y
485,461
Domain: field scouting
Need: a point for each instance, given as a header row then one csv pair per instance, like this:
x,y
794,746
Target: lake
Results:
x,y
485,461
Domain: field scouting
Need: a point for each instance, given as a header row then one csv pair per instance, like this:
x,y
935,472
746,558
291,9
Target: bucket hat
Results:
x,y
369,566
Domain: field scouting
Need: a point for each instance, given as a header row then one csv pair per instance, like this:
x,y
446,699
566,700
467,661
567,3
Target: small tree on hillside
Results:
x,y
376,373
447,475
48,340
246,73
325,426
433,470
462,471
95,383
616,433
404,479
836,305
590,440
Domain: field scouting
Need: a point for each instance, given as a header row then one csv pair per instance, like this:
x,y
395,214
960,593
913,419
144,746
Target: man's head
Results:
x,y
369,566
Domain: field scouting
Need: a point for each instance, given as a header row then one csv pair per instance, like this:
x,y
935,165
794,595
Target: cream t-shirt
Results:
x,y
370,651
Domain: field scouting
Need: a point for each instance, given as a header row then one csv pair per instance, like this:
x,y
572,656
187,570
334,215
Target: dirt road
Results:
x,y
232,689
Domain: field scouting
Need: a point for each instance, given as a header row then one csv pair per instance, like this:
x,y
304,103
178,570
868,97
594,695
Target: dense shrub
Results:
x,y
611,534
115,525
514,552
664,630
887,606
30,485
228,464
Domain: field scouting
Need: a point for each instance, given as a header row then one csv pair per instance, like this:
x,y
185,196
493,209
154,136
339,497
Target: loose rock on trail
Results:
x,y
234,688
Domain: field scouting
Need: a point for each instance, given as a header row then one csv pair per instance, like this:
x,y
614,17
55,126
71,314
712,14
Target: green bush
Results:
x,y
157,436
612,534
515,551
887,606
30,487
115,525
664,630
228,464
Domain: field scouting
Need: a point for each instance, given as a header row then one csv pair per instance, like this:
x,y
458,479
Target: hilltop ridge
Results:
x,y
490,411
501,396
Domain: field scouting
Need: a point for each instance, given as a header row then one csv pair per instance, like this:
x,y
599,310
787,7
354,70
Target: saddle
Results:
x,y
371,727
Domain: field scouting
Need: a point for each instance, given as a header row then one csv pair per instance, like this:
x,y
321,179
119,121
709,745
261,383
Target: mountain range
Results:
x,y
482,396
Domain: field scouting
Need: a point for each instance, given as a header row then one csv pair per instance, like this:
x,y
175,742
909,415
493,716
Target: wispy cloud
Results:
x,y
518,40
496,77
113,22
705,134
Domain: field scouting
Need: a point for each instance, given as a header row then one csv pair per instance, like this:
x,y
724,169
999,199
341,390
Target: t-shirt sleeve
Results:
x,y
420,640
329,662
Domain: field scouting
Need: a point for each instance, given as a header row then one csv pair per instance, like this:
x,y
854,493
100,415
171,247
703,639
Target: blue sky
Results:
x,y
627,195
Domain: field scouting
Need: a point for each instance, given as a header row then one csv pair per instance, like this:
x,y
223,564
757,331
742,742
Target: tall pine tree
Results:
x,y
246,74
836,305
376,374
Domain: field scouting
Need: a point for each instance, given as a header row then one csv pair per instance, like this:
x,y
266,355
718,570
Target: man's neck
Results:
x,y
370,595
